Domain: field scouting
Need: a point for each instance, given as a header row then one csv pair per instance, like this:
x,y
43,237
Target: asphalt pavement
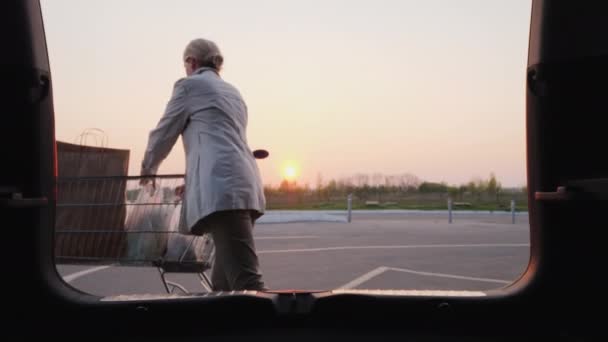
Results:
x,y
375,251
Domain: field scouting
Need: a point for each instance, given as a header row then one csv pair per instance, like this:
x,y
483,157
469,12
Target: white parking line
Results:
x,y
452,276
377,271
71,277
342,248
413,293
362,279
286,237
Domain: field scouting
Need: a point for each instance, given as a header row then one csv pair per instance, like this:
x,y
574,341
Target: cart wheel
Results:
x,y
172,286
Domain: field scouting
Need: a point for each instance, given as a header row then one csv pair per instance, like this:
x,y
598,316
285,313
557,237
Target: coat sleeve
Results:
x,y
163,137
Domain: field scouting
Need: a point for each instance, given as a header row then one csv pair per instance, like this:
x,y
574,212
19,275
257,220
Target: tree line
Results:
x,y
377,185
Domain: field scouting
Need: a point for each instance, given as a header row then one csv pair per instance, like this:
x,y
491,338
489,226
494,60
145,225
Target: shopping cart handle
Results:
x,y
260,154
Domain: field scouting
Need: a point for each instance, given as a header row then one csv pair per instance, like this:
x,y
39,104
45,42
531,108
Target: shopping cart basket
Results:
x,y
116,221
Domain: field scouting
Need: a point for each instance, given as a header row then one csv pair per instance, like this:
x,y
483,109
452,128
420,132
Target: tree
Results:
x,y
478,186
409,182
453,191
362,192
461,190
319,181
349,185
331,189
493,186
392,181
430,187
285,186
361,180
342,185
377,179
472,187
319,186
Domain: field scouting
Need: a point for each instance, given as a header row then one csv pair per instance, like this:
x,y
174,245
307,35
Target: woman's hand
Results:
x,y
180,190
147,180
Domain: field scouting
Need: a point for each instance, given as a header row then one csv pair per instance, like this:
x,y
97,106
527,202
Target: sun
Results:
x,y
290,171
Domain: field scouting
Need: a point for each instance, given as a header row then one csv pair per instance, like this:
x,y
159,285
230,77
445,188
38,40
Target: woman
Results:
x,y
223,192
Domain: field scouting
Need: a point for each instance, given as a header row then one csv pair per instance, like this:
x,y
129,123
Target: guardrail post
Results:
x,y
349,206
449,210
513,211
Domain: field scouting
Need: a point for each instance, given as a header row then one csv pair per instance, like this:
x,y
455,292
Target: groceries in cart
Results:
x,y
152,222
148,223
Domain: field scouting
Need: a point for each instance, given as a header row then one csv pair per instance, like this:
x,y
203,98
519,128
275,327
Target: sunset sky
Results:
x,y
336,87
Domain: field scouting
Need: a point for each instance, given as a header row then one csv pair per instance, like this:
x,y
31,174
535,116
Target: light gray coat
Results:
x,y
221,172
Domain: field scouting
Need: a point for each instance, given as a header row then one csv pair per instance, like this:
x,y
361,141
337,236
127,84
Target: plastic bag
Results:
x,y
182,247
148,223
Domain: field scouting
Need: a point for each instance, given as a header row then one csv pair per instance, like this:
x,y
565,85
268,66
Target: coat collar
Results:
x,y
203,69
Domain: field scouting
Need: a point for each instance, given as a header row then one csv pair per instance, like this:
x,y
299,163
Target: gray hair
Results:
x,y
206,53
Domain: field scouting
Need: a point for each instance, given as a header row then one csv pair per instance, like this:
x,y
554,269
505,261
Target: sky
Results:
x,y
333,87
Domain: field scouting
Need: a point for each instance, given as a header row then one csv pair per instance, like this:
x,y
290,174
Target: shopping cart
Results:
x,y
116,221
